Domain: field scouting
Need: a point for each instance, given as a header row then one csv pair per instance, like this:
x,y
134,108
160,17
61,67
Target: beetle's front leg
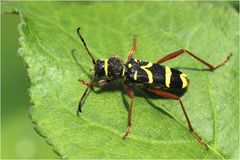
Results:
x,y
88,84
133,49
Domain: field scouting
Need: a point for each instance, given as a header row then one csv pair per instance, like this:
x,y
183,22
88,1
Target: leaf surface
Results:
x,y
48,36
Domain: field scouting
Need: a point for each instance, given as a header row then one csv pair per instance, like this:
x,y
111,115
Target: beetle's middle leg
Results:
x,y
130,94
174,97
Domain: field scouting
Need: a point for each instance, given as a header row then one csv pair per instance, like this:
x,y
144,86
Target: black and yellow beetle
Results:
x,y
158,79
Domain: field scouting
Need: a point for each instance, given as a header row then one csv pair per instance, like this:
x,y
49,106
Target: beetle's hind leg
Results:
x,y
130,94
181,51
174,97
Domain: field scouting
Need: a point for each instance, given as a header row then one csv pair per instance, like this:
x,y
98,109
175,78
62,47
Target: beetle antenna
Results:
x,y
85,45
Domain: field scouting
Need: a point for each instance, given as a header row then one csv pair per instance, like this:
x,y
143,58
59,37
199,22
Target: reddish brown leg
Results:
x,y
172,96
181,51
133,49
88,84
130,93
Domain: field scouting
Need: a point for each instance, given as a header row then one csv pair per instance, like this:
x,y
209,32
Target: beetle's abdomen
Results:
x,y
155,74
175,78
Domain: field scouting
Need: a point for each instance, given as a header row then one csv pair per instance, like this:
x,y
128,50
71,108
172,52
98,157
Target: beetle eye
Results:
x,y
99,69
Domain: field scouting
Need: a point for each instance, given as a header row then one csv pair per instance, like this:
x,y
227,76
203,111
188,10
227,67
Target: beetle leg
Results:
x,y
88,84
133,49
181,51
174,97
130,94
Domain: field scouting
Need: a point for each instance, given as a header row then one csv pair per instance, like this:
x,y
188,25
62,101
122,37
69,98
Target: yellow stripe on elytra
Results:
x,y
106,67
149,73
184,80
135,75
168,74
129,65
123,73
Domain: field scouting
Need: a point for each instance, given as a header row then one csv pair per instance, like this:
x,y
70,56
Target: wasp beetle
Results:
x,y
155,78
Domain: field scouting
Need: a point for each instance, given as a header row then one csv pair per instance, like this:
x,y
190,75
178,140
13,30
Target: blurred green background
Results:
x,y
18,138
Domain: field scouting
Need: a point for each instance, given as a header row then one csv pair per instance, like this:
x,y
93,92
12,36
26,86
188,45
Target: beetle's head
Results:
x,y
110,69
99,72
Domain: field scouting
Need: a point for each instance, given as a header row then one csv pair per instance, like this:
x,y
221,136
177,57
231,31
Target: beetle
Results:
x,y
158,79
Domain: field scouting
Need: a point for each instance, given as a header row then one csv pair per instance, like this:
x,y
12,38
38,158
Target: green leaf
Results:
x,y
159,129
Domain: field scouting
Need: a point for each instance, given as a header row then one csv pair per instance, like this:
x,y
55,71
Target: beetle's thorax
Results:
x,y
109,69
